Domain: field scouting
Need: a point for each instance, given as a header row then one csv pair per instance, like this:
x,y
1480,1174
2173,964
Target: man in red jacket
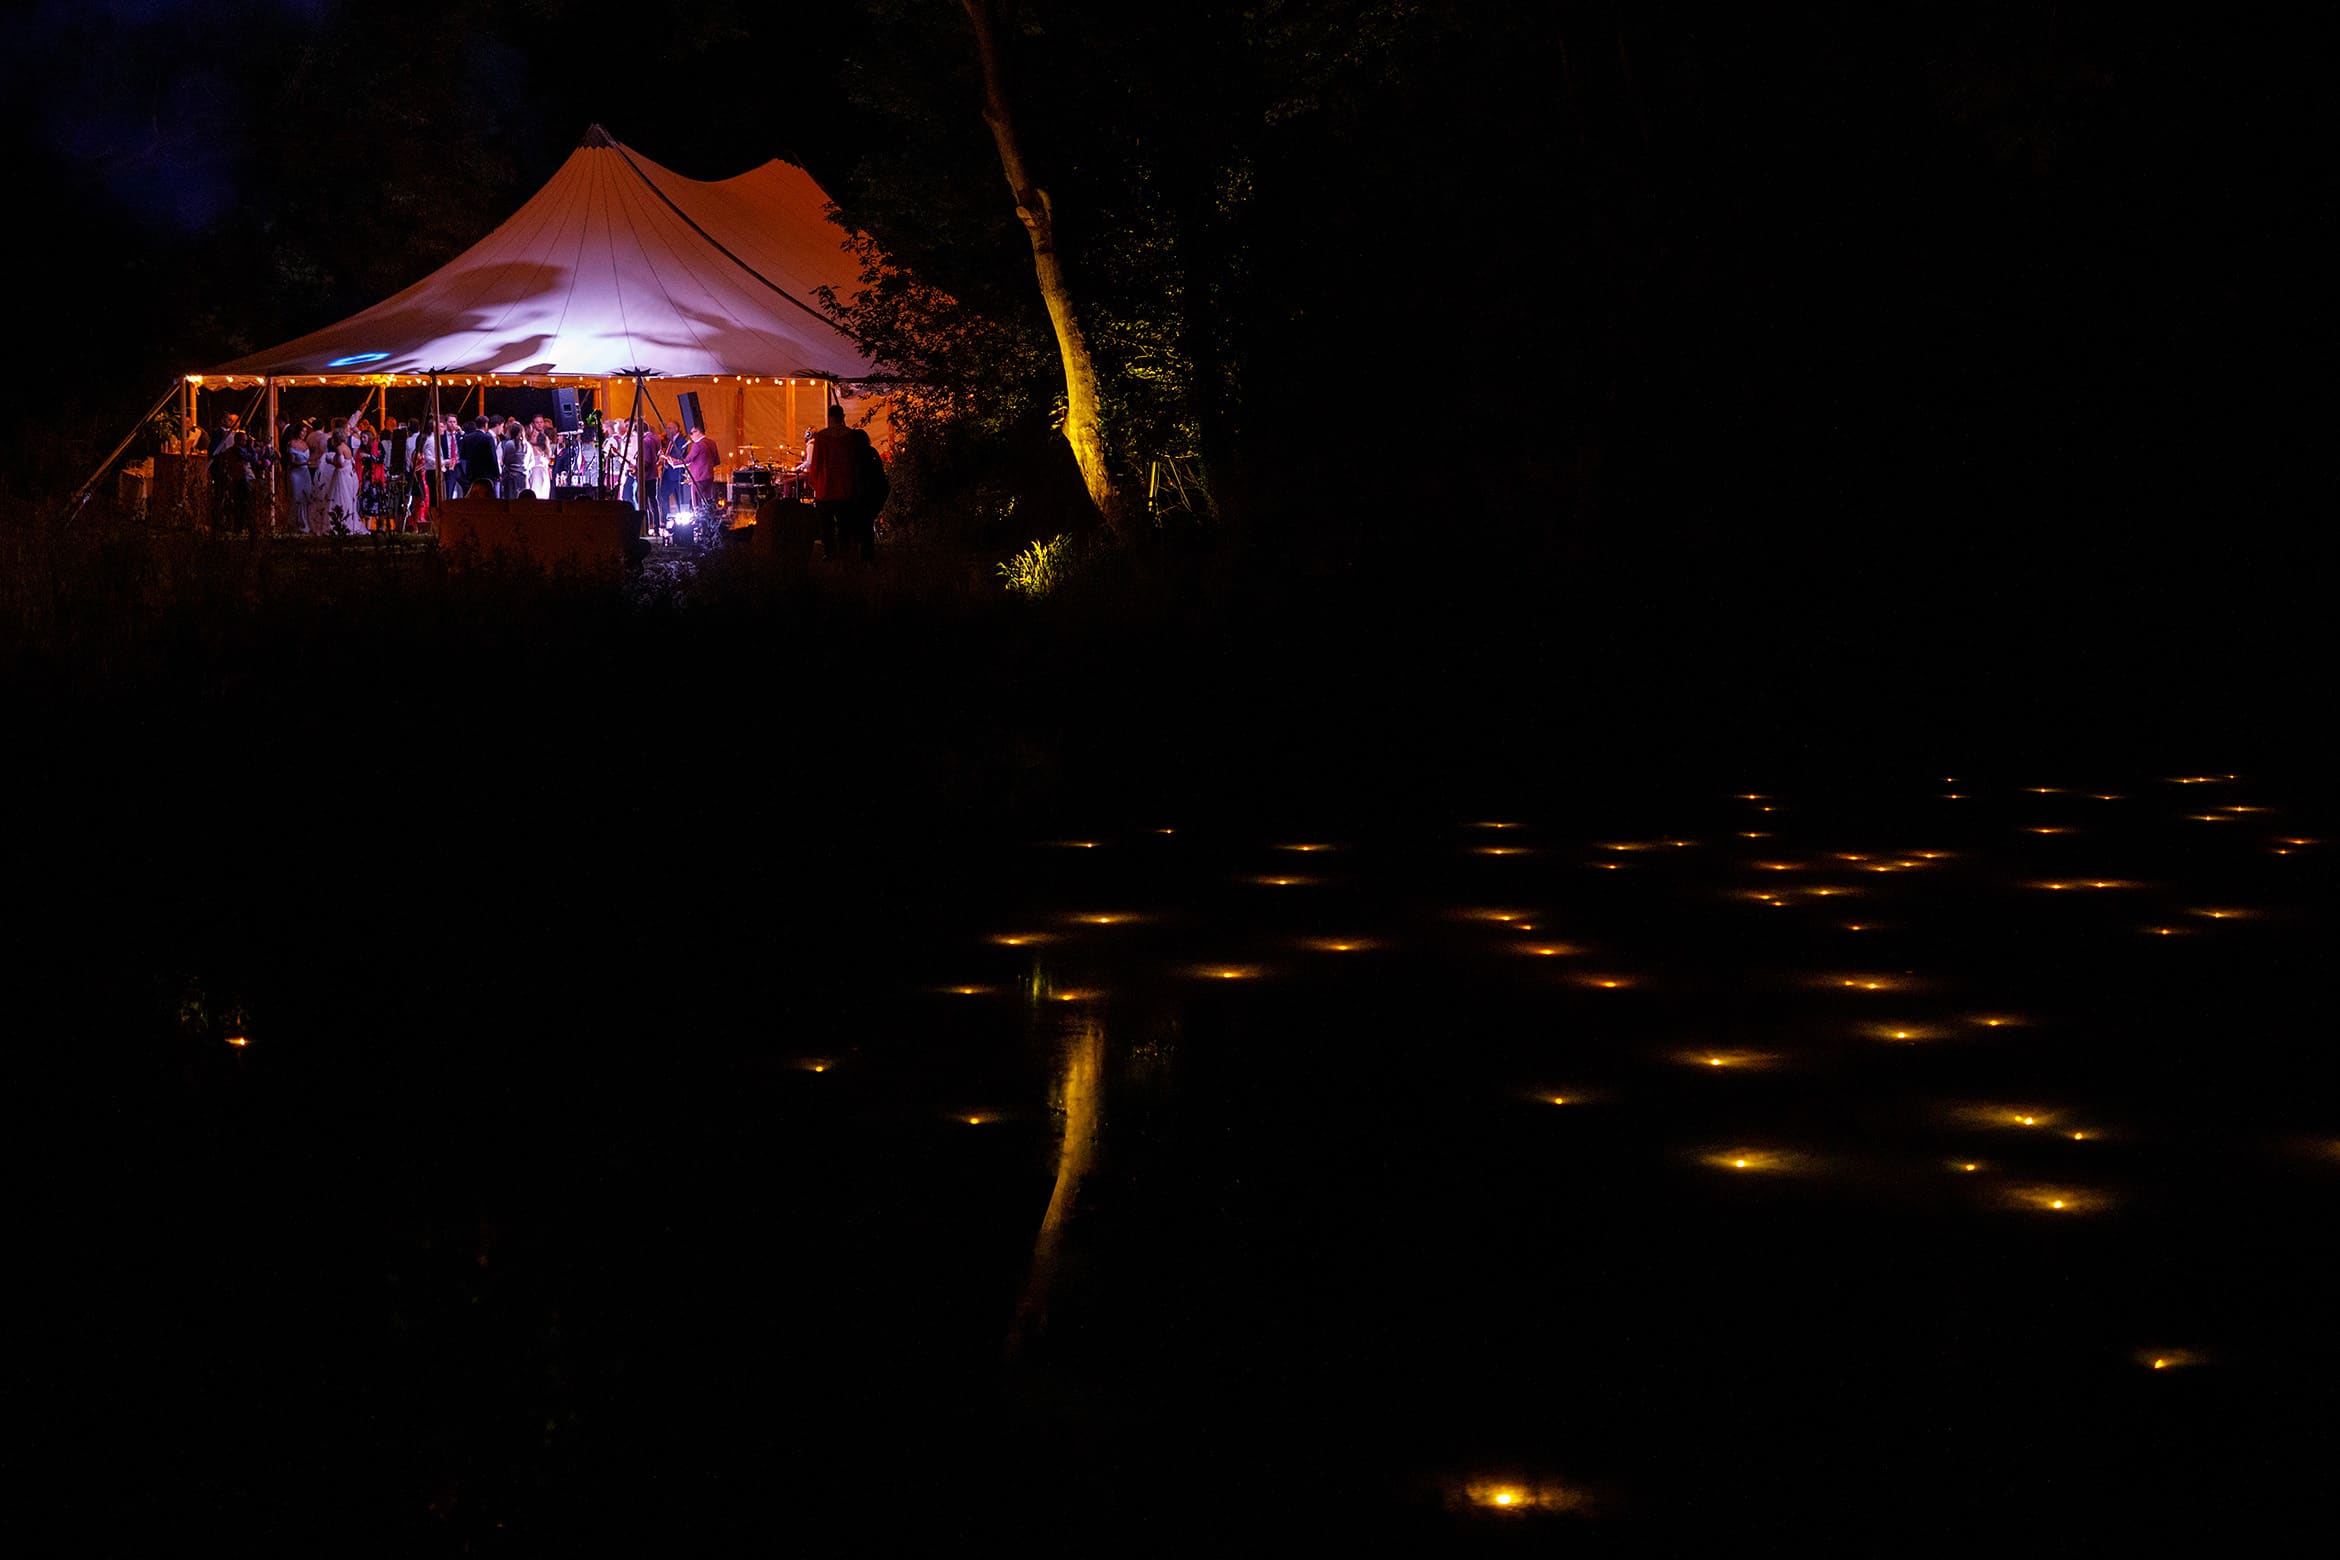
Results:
x,y
829,466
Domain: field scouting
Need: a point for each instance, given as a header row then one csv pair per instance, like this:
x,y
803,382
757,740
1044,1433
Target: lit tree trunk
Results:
x,y
1084,422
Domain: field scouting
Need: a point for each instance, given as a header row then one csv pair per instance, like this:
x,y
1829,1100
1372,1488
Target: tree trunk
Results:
x,y
1084,419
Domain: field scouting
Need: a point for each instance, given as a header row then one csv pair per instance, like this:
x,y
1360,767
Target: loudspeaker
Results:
x,y
689,402
565,409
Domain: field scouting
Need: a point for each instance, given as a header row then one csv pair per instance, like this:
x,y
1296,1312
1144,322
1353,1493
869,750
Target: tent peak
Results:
x,y
596,136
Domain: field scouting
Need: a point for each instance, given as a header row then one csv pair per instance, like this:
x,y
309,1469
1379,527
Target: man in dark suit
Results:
x,y
479,456
450,437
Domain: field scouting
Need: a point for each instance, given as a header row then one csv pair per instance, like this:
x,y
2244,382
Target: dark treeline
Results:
x,y
1977,308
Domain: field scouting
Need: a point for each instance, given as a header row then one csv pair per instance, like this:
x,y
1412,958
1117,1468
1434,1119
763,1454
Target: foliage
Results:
x,y
1040,568
952,253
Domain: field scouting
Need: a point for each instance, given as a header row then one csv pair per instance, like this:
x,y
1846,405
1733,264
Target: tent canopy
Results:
x,y
616,266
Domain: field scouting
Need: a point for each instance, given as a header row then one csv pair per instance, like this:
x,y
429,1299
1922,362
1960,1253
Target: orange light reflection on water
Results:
x,y
1728,1060
2046,1198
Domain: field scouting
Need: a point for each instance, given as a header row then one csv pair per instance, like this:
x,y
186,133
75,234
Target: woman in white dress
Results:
x,y
319,441
339,478
539,461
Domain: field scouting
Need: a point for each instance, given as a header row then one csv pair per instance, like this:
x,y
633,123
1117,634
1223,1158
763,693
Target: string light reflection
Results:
x,y
2056,1199
2168,1359
1341,944
1863,981
2008,1117
1514,1499
1902,1031
1754,1161
1728,1061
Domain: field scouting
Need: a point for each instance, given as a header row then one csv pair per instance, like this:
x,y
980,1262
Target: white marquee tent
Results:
x,y
618,270
616,266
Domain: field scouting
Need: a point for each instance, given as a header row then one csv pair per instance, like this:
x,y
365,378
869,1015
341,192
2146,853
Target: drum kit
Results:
x,y
753,481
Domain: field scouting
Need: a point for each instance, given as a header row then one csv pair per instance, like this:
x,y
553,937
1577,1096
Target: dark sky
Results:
x,y
2026,233
159,101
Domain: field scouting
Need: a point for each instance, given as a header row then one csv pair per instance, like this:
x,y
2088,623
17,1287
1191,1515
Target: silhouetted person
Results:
x,y
833,471
478,453
231,483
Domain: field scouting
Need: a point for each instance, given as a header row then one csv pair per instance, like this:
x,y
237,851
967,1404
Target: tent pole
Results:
x,y
657,479
631,452
275,448
178,388
438,465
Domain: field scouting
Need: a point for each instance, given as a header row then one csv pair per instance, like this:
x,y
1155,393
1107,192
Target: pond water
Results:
x,y
1900,1165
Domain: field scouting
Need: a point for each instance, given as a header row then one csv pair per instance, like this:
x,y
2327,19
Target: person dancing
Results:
x,y
340,474
539,460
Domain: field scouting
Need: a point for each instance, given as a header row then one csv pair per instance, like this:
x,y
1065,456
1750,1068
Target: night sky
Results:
x,y
2048,228
2019,309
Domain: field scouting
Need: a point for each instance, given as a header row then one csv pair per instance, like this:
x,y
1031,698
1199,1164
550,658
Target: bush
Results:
x,y
1040,568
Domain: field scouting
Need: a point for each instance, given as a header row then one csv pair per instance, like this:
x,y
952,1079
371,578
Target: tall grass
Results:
x,y
915,684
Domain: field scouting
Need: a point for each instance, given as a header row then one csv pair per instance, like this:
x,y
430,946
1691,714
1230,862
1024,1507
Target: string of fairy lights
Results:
x,y
465,381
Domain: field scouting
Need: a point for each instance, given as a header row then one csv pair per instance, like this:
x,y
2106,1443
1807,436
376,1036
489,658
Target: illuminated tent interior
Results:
x,y
618,267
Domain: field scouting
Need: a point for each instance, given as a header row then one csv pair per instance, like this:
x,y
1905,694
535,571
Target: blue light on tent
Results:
x,y
356,358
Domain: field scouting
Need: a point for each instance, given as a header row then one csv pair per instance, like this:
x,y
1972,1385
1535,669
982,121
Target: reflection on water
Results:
x,y
1453,1185
1997,1022
1756,1160
1341,944
1734,1061
1521,1498
2170,1359
2052,1198
1078,1100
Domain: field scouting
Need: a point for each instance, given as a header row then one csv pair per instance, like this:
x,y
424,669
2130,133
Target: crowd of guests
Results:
x,y
354,477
